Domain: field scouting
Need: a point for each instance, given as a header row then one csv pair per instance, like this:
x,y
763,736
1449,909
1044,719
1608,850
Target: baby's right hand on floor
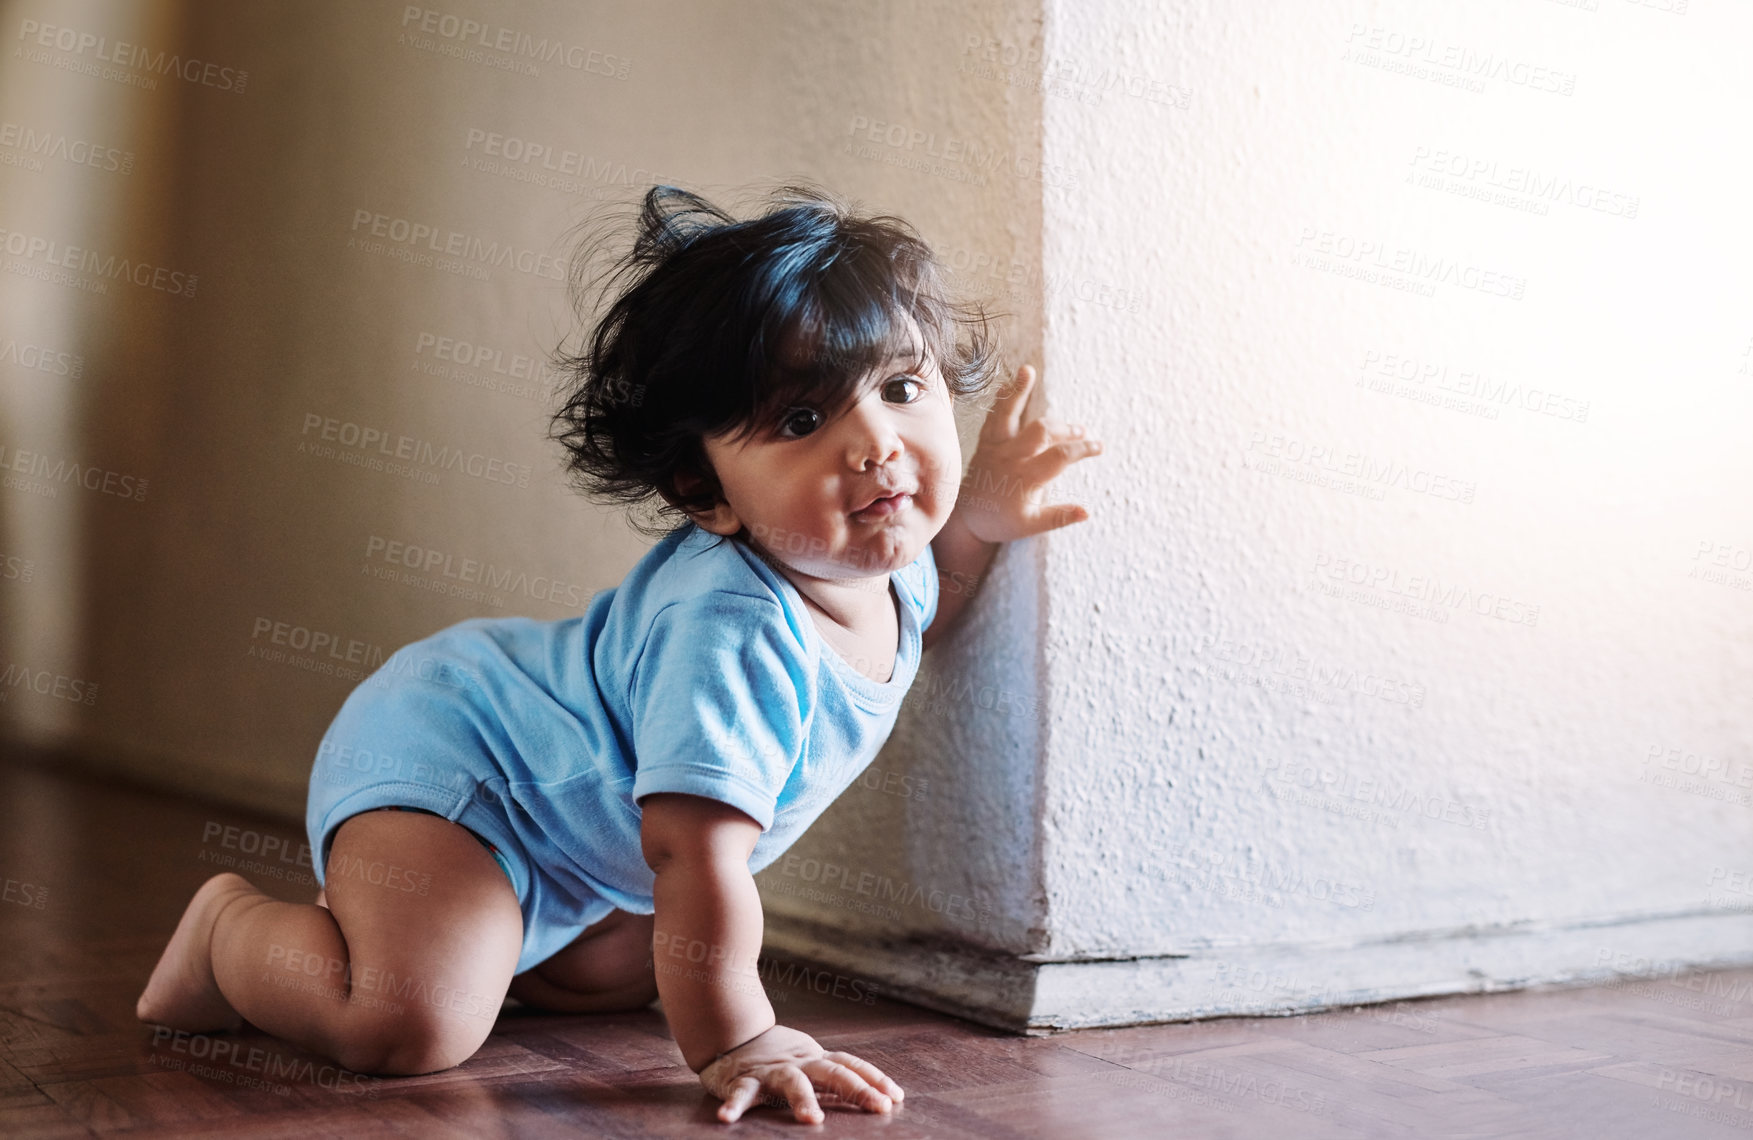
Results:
x,y
783,1063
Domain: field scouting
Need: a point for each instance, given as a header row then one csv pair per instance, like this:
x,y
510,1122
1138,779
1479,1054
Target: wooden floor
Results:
x,y
96,876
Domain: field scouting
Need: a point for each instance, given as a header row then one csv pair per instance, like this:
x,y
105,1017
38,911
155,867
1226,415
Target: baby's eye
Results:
x,y
916,382
793,416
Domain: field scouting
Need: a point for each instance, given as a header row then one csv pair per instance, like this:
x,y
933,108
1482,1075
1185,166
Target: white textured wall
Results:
x,y
1243,748
1408,647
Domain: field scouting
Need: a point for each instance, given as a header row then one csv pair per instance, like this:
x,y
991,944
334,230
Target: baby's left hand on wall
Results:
x,y
1001,494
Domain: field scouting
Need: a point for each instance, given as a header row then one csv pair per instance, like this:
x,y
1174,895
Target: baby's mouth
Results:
x,y
884,507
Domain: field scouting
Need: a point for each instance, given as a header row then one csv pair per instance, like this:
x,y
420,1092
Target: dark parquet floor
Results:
x,y
96,874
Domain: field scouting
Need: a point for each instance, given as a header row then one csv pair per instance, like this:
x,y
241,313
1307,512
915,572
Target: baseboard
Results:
x,y
162,773
1041,997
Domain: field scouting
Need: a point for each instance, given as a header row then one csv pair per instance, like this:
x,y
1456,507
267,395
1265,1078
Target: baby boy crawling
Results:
x,y
560,794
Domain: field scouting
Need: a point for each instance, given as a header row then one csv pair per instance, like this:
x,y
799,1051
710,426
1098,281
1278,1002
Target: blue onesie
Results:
x,y
701,673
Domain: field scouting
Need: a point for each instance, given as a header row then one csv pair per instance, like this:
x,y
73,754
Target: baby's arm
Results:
x,y
1000,496
708,930
705,943
961,561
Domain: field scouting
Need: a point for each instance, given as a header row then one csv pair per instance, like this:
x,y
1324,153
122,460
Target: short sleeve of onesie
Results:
x,y
718,702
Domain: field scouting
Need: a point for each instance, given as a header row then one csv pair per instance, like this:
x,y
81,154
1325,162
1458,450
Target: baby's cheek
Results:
x,y
944,474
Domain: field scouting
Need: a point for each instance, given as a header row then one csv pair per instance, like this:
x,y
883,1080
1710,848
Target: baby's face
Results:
x,y
802,486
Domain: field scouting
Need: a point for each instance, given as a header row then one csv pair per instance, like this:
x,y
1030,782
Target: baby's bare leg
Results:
x,y
607,969
400,973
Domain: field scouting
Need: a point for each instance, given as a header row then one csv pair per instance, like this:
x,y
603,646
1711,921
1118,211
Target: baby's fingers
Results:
x,y
1006,417
797,1089
737,1100
1053,460
879,1081
848,1085
1047,431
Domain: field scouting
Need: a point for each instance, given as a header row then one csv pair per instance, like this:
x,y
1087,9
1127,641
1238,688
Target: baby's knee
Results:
x,y
412,1041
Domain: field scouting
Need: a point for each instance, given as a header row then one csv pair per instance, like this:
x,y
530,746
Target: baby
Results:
x,y
519,808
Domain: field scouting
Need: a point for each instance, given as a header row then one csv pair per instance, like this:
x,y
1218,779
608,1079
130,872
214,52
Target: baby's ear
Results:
x,y
684,481
721,519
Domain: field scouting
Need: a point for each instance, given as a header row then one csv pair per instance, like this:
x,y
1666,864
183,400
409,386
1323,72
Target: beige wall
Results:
x,y
245,536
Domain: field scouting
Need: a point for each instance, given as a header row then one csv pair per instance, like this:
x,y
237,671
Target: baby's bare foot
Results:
x,y
181,993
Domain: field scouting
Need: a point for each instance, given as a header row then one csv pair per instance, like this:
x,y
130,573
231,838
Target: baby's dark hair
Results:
x,y
717,326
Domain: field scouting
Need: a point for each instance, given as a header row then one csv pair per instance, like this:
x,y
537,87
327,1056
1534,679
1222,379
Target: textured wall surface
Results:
x,y
1416,599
